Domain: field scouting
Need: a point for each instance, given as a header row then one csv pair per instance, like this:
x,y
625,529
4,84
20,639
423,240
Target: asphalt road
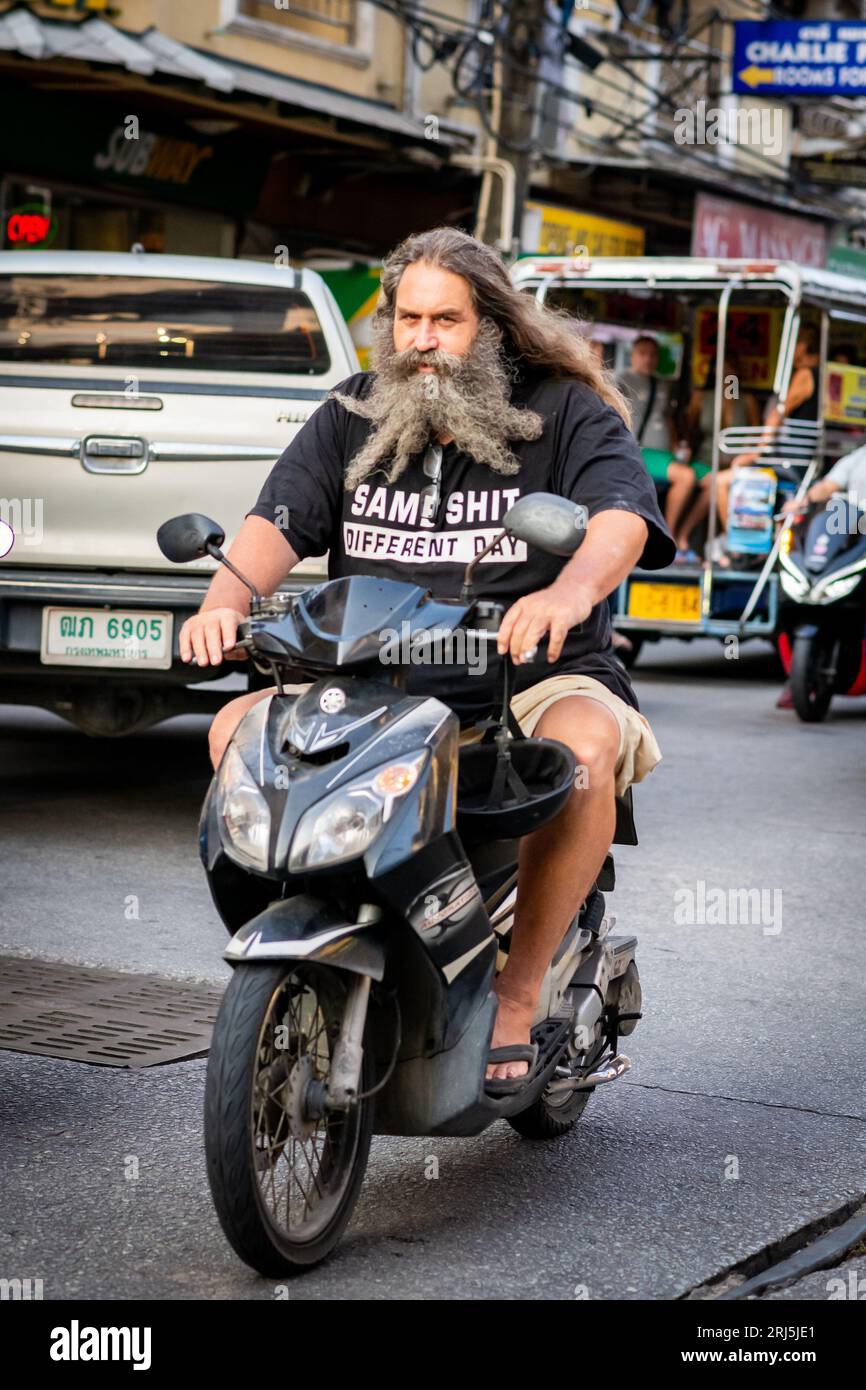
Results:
x,y
743,1117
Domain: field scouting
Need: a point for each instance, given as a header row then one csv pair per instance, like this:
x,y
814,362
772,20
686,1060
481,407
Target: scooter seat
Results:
x,y
505,799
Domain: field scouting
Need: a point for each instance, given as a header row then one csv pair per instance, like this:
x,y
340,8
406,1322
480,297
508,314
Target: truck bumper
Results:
x,y
26,679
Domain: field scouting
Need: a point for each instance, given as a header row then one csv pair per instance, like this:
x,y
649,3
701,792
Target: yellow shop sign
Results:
x,y
562,231
845,396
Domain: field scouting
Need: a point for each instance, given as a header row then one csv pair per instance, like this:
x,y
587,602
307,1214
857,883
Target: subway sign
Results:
x,y
144,154
109,148
803,58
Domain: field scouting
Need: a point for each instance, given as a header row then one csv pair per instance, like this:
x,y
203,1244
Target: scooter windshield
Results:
x,y
832,536
346,621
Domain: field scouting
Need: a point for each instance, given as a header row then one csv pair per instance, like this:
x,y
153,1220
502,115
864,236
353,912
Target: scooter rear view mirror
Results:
x,y
192,536
550,523
189,537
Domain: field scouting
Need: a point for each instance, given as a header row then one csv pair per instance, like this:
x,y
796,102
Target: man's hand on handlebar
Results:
x,y
554,610
209,638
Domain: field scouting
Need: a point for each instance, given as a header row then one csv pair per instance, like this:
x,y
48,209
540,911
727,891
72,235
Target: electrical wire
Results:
x,y
468,49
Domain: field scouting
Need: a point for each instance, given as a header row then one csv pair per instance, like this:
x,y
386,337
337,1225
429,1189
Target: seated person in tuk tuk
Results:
x,y
801,404
654,418
700,420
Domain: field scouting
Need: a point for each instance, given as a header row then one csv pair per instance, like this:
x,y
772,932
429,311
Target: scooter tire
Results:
x,y
229,1131
543,1120
810,694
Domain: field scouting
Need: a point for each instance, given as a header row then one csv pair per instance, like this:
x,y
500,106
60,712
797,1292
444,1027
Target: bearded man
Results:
x,y
477,396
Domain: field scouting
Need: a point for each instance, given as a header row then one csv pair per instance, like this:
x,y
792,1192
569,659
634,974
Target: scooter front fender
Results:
x,y
307,928
806,630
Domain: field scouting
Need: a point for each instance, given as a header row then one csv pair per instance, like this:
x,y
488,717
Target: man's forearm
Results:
x,y
823,490
611,548
259,551
771,427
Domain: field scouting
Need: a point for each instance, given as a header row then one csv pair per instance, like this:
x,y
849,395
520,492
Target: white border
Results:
x,y
357,55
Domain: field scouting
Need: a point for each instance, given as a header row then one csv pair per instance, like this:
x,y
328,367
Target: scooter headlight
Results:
x,y
794,582
794,585
344,825
841,588
244,814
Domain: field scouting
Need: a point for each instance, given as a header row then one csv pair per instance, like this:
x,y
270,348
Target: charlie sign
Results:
x,y
800,58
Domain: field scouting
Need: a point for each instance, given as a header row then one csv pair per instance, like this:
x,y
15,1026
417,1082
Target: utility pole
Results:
x,y
523,32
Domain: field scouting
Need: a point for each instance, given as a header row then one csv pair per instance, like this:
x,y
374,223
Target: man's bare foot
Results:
x,y
513,1023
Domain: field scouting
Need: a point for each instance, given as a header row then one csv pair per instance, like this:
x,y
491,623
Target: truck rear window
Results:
x,y
114,321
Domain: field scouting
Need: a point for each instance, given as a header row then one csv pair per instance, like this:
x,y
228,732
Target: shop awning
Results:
x,y
686,168
151,53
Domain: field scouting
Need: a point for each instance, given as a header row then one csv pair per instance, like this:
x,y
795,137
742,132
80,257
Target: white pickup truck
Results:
x,y
134,388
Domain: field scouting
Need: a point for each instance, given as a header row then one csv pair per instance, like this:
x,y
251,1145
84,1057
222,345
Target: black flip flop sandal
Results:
x,y
515,1052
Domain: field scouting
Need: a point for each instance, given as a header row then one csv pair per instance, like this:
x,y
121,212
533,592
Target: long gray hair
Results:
x,y
534,337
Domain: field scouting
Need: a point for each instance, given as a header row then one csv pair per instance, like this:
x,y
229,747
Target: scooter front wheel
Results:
x,y
811,681
284,1170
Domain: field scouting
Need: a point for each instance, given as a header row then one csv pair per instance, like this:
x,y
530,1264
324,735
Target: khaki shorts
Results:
x,y
638,751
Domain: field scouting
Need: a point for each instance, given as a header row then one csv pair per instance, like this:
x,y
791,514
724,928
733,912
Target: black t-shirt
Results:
x,y
585,453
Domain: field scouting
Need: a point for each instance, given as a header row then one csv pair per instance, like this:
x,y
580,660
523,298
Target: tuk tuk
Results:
x,y
726,330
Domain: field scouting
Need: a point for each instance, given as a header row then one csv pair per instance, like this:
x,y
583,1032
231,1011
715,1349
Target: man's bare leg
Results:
x,y
681,481
227,719
697,511
557,866
722,496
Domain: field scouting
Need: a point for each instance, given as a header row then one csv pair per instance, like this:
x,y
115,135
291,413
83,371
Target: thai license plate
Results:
x,y
670,603
107,637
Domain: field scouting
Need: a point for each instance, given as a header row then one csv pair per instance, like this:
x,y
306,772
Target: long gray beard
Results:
x,y
467,396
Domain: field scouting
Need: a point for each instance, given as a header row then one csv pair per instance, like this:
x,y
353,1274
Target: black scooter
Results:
x,y
367,871
823,579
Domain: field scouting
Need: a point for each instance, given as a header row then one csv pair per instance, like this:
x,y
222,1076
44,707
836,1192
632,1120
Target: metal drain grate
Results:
x,y
102,1016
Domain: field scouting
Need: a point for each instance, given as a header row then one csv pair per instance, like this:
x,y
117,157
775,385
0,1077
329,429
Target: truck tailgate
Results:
x,y
88,484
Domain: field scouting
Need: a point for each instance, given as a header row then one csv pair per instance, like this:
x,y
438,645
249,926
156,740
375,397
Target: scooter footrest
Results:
x,y
551,1035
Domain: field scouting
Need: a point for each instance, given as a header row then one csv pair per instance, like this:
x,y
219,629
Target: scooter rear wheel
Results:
x,y
284,1172
547,1118
554,1114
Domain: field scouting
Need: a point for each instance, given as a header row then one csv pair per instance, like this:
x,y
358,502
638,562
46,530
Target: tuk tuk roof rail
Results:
x,y
698,272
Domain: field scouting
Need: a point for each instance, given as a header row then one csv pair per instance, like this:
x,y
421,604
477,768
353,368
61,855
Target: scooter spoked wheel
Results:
x,y
811,687
284,1171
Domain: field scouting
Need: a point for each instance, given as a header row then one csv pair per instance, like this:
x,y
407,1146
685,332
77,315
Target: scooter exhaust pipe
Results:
x,y
616,1067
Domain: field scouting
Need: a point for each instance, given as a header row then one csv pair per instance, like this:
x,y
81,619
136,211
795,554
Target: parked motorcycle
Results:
x,y
823,579
367,869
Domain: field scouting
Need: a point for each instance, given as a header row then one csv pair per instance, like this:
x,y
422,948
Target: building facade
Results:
x,y
323,131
